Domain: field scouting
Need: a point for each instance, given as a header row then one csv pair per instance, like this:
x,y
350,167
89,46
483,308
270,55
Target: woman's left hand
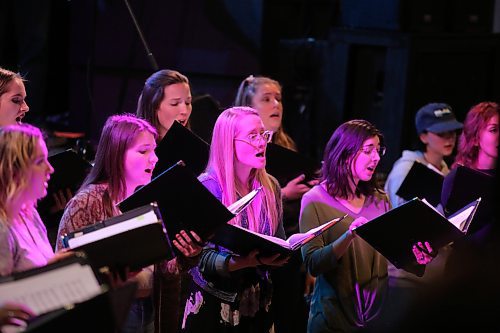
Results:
x,y
188,247
423,253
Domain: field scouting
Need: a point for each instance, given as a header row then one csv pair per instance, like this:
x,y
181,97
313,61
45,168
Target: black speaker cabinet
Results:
x,y
458,16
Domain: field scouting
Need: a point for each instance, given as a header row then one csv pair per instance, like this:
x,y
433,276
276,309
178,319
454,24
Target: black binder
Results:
x,y
70,171
422,182
181,144
54,286
462,185
394,233
285,164
136,245
183,201
243,241
103,313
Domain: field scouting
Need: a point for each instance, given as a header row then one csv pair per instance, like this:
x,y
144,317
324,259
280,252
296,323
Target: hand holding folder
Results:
x,y
53,286
394,233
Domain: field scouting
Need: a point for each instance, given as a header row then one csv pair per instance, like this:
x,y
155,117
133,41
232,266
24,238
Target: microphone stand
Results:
x,y
149,54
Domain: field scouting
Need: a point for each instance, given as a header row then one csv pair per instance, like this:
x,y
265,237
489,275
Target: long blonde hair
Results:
x,y
17,149
246,92
222,163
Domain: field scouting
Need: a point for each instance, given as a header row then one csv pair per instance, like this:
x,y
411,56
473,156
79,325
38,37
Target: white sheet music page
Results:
x,y
115,229
52,290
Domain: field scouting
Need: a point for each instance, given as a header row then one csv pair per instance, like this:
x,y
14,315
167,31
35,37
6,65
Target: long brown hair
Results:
x,y
117,136
153,93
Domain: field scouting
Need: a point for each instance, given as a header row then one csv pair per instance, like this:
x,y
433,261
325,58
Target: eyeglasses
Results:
x,y
368,150
254,138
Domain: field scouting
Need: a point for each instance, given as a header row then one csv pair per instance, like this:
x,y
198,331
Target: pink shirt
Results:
x,y
24,244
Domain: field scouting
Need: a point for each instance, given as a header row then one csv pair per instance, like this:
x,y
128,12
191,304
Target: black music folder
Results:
x,y
185,203
103,313
65,294
285,164
181,144
242,241
135,239
422,182
394,233
51,287
462,185
70,171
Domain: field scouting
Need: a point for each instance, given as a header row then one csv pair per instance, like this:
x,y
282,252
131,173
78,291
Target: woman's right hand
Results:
x,y
14,314
188,246
340,246
356,223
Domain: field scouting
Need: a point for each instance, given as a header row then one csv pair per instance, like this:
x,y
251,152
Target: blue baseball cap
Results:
x,y
436,118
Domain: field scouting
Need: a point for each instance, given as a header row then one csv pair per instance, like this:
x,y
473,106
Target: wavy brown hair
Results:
x,y
476,120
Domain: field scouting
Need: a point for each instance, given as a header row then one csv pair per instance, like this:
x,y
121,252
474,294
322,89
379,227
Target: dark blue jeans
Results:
x,y
140,318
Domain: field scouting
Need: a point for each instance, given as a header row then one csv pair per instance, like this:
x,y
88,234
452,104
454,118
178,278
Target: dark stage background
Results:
x,y
337,59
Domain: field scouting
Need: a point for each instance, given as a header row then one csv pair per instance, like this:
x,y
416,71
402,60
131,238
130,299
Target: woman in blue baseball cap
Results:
x,y
437,128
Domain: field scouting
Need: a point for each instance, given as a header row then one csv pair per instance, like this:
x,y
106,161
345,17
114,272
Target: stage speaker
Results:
x,y
399,15
454,16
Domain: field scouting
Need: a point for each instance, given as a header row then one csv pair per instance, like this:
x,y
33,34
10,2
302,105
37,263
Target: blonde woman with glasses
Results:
x,y
231,293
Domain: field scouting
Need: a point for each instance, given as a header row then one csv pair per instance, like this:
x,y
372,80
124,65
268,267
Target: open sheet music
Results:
x,y
394,233
51,287
243,241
